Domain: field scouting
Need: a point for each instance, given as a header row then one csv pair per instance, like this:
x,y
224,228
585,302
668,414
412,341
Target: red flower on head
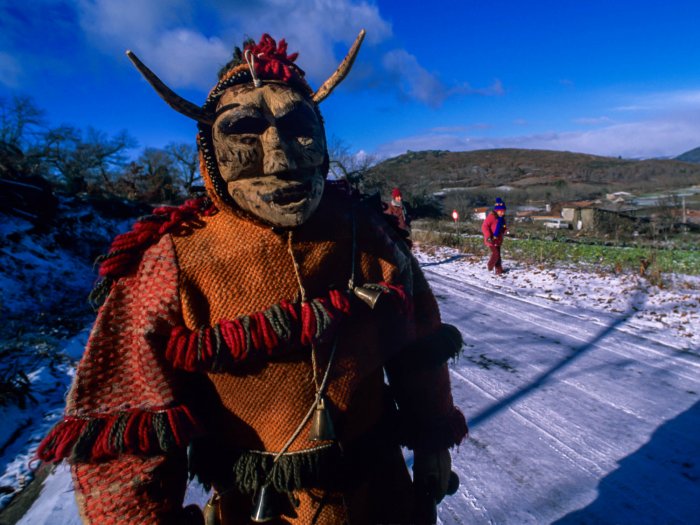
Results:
x,y
272,62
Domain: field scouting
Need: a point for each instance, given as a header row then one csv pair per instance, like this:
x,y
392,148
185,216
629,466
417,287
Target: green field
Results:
x,y
649,260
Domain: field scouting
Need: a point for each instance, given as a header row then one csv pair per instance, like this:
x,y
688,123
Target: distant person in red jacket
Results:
x,y
398,210
494,228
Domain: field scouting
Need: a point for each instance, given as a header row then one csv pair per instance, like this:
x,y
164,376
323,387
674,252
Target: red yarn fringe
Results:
x,y
254,334
236,340
139,434
127,248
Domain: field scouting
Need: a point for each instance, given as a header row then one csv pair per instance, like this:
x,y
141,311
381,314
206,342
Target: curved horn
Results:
x,y
174,100
343,69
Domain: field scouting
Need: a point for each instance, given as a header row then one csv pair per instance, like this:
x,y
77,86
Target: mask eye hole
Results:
x,y
243,125
300,123
248,140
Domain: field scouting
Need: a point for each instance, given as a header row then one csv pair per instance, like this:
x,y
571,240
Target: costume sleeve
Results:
x,y
125,426
419,377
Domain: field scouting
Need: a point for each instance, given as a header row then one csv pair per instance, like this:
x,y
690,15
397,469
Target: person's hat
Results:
x,y
500,205
395,193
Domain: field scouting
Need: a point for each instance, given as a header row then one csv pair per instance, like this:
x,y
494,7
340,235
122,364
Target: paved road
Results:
x,y
572,420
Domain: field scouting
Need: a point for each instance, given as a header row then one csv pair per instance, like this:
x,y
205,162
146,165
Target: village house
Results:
x,y
479,214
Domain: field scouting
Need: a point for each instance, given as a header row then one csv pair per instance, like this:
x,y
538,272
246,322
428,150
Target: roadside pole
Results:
x,y
455,218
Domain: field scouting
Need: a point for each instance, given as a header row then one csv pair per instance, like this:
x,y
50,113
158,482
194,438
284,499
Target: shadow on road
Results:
x,y
542,379
444,261
659,483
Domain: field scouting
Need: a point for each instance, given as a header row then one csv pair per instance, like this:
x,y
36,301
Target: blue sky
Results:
x,y
602,77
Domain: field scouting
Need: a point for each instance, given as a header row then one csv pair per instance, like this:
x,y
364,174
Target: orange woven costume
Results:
x,y
216,338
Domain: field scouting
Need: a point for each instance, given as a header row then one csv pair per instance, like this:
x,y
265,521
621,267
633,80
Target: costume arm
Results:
x,y
125,427
419,377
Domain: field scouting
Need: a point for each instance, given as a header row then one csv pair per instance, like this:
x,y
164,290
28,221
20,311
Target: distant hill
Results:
x,y
690,156
425,172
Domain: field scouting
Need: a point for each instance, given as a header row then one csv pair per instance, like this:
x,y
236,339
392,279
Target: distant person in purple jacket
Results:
x,y
494,228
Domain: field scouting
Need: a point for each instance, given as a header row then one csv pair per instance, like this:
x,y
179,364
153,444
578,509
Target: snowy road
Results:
x,y
572,420
578,413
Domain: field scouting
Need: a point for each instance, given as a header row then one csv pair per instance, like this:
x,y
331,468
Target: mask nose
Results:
x,y
276,158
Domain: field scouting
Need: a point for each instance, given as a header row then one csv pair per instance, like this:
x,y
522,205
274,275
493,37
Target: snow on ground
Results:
x,y
23,428
670,314
581,389
45,276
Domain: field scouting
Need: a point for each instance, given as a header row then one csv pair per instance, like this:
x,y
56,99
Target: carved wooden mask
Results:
x,y
270,149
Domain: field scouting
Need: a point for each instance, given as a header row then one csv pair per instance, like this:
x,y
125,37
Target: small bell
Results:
x,y
322,424
367,295
211,511
268,504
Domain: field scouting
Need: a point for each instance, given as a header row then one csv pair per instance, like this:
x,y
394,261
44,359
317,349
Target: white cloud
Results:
x,y
495,89
678,100
164,34
168,36
111,23
187,58
667,124
157,32
593,121
644,139
415,82
631,108
313,27
456,129
412,79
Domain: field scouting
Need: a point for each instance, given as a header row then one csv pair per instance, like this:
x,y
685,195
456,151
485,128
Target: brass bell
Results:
x,y
268,504
322,424
212,512
367,295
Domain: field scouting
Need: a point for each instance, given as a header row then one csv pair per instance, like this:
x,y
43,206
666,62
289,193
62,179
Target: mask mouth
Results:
x,y
291,196
296,188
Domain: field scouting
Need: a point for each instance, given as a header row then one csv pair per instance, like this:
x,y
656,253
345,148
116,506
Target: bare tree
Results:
x,y
20,122
186,164
79,158
353,167
156,162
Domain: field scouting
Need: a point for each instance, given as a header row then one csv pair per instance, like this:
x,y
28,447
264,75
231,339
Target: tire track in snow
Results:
x,y
574,458
530,315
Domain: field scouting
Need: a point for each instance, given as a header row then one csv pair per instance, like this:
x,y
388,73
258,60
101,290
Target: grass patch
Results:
x,y
650,261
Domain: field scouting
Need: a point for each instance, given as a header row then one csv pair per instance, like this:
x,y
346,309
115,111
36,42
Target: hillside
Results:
x,y
433,171
690,156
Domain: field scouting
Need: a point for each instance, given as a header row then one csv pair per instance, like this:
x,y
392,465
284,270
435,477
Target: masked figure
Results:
x,y
276,339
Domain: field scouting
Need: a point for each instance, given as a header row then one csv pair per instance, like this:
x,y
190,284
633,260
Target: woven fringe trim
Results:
x,y
438,434
293,471
128,248
107,436
281,328
431,351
